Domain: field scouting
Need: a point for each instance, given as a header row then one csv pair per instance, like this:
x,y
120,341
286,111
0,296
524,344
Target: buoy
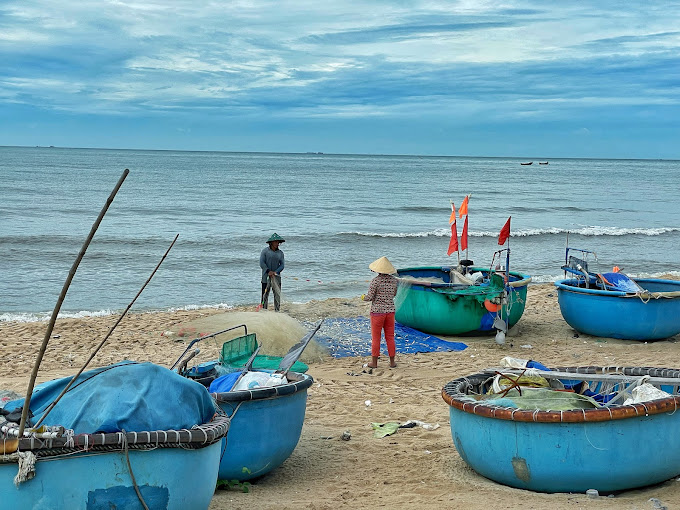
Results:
x,y
491,307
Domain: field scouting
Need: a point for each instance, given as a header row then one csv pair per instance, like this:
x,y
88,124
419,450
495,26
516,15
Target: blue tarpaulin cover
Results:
x,y
224,383
622,282
126,396
352,337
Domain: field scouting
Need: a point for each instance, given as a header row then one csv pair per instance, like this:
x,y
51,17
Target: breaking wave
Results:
x,y
590,231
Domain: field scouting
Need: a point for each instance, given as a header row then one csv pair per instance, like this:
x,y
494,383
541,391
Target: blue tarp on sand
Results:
x,y
345,336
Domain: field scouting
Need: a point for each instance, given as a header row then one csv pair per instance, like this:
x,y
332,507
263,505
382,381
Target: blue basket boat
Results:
x,y
609,447
173,470
67,468
653,314
615,306
265,422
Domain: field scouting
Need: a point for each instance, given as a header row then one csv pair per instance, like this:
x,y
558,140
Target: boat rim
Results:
x,y
454,394
564,285
524,280
197,437
291,387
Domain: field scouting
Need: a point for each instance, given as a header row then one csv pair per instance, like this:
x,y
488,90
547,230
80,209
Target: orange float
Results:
x,y
491,307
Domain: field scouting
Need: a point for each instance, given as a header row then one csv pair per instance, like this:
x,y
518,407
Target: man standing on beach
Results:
x,y
271,262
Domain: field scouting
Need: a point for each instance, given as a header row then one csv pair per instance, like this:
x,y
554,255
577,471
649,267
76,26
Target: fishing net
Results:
x,y
543,399
277,332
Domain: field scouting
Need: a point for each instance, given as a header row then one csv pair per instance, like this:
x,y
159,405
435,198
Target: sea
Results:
x,y
336,212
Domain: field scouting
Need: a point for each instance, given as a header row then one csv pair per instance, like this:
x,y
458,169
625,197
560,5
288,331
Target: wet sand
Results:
x,y
414,468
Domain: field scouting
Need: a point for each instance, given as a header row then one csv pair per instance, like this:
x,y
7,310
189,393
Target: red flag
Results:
x,y
453,243
463,207
505,233
463,236
452,218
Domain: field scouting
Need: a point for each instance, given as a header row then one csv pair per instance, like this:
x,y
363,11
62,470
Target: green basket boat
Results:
x,y
430,299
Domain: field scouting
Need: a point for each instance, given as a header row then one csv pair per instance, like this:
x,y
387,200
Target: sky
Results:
x,y
534,79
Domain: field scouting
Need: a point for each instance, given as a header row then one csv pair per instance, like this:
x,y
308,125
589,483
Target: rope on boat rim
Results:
x,y
198,436
123,438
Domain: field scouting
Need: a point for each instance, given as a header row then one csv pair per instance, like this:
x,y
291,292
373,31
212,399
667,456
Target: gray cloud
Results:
x,y
472,61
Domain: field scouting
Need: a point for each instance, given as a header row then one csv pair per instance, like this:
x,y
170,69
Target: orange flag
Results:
x,y
463,207
453,243
464,234
505,233
452,218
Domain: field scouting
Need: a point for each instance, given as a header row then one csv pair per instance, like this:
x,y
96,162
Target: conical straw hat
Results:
x,y
382,265
276,237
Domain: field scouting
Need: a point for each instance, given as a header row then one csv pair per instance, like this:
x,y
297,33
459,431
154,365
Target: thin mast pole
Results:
x,y
467,244
73,379
62,296
508,289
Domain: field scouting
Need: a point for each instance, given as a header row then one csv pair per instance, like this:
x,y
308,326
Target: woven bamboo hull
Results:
x,y
264,430
611,314
168,479
423,308
569,457
609,448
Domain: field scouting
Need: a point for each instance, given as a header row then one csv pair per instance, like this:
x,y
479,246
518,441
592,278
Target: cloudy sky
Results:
x,y
473,77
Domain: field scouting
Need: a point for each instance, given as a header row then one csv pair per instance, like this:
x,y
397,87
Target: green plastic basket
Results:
x,y
237,351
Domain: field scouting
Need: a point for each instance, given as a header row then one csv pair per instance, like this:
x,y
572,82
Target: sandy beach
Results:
x,y
414,468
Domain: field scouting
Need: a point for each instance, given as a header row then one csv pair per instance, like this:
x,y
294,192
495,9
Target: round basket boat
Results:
x,y
168,469
266,424
653,314
427,300
610,448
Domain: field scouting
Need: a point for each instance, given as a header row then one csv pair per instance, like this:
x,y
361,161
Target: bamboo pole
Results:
x,y
62,296
73,379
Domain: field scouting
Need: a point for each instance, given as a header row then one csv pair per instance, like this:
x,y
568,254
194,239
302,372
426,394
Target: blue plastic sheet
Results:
x,y
344,337
126,396
224,383
621,282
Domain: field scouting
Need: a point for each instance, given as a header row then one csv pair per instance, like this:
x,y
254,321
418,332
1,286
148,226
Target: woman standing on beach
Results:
x,y
381,293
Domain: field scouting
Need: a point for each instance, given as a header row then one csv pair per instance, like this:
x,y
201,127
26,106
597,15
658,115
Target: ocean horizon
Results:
x,y
406,155
337,212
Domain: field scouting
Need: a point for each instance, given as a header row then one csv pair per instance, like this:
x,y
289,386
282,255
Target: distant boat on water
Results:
x,y
526,164
543,162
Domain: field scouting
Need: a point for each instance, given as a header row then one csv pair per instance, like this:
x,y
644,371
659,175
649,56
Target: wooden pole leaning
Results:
x,y
62,295
96,350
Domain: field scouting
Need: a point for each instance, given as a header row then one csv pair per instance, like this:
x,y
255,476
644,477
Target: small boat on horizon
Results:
x,y
543,162
527,164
